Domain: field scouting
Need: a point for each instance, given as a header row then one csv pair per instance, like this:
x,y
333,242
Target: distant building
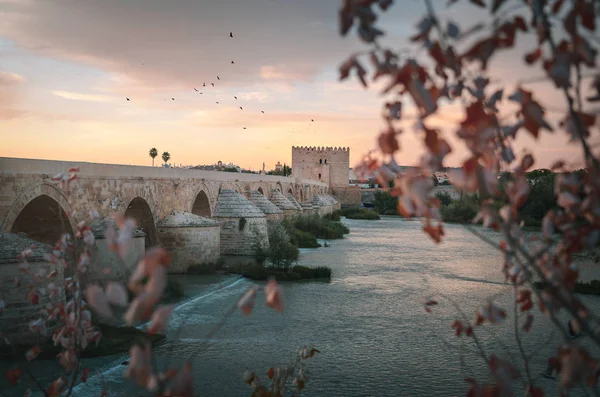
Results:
x,y
278,167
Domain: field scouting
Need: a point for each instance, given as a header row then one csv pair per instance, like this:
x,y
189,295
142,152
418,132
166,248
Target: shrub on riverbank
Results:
x,y
319,227
360,213
460,211
281,252
334,216
294,273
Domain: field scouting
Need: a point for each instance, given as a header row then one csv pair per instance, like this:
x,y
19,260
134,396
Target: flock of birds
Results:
x,y
213,84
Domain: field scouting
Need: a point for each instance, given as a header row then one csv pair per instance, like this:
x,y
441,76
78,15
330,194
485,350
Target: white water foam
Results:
x,y
112,368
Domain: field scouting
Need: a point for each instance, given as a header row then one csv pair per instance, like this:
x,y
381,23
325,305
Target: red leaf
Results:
x,y
346,18
557,6
520,24
587,14
13,376
388,142
84,375
533,56
536,392
482,51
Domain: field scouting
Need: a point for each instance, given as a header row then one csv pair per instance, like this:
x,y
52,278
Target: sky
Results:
x,y
67,67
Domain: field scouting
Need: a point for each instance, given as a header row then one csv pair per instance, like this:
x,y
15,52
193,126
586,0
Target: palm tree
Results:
x,y
153,154
166,156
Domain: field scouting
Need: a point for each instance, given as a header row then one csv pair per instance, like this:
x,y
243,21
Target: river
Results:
x,y
374,336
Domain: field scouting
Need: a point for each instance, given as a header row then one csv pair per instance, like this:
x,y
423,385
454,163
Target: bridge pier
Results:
x,y
243,225
191,240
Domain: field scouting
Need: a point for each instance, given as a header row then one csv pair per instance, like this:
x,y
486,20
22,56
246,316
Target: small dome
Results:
x,y
263,203
185,219
231,204
280,201
292,200
307,206
327,199
318,201
100,225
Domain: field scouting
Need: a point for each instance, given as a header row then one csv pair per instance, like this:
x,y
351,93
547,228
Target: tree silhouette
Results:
x,y
166,156
153,154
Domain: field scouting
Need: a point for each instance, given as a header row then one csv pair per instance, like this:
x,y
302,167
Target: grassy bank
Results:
x,y
304,230
353,213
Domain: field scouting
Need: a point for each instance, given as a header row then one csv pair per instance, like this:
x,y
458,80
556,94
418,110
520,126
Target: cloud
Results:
x,y
165,45
287,73
83,97
10,94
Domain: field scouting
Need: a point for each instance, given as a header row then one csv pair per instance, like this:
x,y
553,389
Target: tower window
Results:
x,y
325,161
319,176
321,161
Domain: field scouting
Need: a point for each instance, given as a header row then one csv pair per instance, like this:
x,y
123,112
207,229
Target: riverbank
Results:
x,y
114,340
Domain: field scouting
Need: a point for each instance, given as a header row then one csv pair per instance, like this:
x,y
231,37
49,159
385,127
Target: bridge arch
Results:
x,y
201,205
139,209
260,190
38,212
279,187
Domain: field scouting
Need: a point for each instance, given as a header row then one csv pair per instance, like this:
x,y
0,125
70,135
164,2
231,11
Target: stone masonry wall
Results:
x,y
235,242
110,188
349,197
332,163
191,246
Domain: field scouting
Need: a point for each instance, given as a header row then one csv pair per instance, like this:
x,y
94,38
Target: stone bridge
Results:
x,y
33,204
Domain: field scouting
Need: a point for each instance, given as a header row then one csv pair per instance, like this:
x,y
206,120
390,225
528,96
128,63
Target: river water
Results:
x,y
374,336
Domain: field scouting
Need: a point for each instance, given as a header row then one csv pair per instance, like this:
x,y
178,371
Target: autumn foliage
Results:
x,y
454,73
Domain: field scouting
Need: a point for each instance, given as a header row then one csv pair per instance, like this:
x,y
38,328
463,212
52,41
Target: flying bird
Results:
x,y
235,98
232,62
217,103
241,108
312,120
244,127
126,98
173,98
195,90
213,84
203,84
218,78
230,34
262,111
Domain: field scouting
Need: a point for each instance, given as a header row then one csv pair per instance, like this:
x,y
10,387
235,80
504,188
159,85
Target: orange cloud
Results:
x,y
83,97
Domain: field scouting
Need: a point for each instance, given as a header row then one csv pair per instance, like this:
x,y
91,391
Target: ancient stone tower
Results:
x,y
330,165
326,164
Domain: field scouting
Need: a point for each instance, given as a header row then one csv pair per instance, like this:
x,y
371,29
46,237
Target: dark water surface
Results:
x,y
374,336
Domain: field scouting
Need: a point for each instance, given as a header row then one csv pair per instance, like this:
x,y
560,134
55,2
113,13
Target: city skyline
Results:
x,y
64,83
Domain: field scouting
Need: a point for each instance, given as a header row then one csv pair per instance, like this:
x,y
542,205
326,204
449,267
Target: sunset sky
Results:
x,y
66,67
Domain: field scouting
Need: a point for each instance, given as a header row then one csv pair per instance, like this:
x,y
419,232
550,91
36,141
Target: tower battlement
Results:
x,y
320,149
322,163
